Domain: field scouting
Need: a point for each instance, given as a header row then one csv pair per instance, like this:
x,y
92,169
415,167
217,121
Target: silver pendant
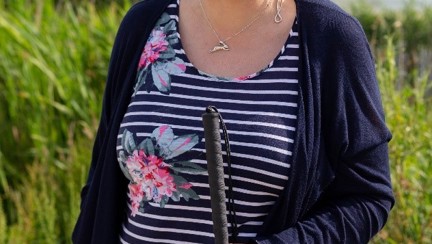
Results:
x,y
278,17
221,46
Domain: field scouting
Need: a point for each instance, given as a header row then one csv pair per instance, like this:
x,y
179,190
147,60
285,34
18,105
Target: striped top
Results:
x,y
161,149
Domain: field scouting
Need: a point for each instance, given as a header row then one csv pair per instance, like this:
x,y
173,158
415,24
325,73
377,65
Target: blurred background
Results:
x,y
53,63
385,4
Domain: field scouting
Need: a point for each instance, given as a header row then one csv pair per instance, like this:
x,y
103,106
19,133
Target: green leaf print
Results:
x,y
163,135
174,67
147,146
163,19
187,167
182,144
128,142
150,159
176,196
161,78
188,193
122,159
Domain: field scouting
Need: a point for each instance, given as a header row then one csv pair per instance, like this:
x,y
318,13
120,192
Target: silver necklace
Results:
x,y
222,46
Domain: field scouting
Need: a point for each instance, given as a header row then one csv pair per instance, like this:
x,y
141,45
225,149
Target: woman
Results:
x,y
296,85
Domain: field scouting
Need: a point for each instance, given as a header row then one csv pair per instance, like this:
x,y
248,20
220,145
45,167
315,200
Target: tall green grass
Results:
x,y
409,117
52,72
53,64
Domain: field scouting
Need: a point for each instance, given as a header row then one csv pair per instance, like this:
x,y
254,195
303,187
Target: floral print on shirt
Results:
x,y
153,170
158,58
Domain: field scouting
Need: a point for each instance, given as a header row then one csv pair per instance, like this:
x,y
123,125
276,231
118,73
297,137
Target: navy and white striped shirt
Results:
x,y
161,147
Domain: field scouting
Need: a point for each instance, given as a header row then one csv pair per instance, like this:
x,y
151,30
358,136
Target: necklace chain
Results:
x,y
222,43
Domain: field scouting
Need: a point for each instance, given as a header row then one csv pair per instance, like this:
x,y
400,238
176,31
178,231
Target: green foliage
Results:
x,y
411,25
409,118
411,29
52,74
52,71
53,62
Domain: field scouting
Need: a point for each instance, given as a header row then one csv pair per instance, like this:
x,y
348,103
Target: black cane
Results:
x,y
216,174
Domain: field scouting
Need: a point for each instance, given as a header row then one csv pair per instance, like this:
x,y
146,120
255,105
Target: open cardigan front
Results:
x,y
339,188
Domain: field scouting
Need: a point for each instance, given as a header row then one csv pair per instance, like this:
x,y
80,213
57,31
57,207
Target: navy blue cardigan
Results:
x,y
339,189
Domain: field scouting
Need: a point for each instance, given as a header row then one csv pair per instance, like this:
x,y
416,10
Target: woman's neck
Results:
x,y
237,5
232,15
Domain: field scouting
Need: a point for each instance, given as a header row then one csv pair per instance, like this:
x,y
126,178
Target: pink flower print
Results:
x,y
136,196
186,185
242,78
158,58
153,160
164,182
154,46
148,191
151,175
158,181
136,164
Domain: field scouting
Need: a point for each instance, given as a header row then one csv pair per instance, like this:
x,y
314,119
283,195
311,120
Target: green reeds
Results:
x,y
409,118
53,64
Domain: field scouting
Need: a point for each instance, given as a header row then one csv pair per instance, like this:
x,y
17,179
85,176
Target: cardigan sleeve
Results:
x,y
354,210
117,69
101,133
103,192
355,206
